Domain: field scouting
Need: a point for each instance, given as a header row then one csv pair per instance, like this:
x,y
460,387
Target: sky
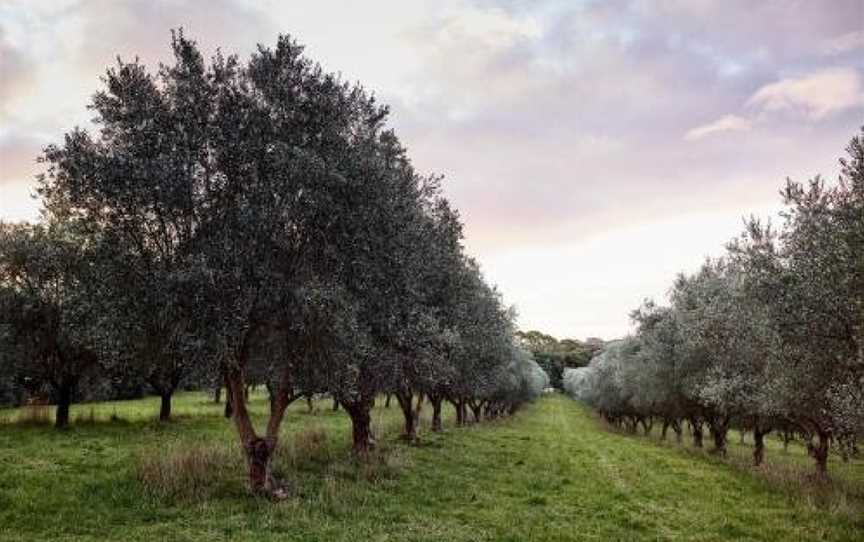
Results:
x,y
594,149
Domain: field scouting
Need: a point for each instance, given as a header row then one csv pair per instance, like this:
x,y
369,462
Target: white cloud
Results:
x,y
816,95
727,123
845,43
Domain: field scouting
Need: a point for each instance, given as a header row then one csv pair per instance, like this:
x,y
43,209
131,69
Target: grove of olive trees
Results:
x,y
769,337
250,223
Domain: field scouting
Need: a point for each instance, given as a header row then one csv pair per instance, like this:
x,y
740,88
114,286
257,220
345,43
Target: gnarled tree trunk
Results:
x,y
258,450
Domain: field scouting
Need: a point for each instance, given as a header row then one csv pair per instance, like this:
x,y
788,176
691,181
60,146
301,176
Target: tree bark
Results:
x,y
165,406
647,424
759,446
718,426
409,429
259,452
460,414
679,434
419,408
436,413
64,401
387,398
719,437
361,435
217,394
819,451
229,402
696,429
476,409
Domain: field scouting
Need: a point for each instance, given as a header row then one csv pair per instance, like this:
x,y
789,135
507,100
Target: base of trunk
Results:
x,y
436,416
361,433
165,408
258,455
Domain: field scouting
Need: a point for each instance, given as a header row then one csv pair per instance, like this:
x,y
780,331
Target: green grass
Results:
x,y
552,472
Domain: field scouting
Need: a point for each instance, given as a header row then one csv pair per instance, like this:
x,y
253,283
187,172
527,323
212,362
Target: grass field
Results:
x,y
553,472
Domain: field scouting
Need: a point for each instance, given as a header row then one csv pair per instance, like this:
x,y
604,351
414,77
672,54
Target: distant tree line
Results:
x,y
768,338
555,356
238,223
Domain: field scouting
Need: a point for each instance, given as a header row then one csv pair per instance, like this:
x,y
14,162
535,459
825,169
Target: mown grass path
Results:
x,y
550,473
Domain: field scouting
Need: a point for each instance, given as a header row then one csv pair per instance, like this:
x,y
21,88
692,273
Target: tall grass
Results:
x,y
185,471
34,414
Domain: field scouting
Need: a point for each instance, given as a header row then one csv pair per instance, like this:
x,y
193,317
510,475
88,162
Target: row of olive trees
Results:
x,y
251,223
768,338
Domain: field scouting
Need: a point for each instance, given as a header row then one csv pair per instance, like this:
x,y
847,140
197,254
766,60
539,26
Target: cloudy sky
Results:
x,y
593,148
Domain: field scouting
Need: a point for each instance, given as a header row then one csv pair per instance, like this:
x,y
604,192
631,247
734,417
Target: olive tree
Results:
x,y
50,312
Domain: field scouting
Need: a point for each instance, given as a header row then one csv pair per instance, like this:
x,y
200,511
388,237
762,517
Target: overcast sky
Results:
x,y
594,149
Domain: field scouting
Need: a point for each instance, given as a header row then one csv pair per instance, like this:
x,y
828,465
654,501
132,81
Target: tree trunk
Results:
x,y
419,409
64,401
719,429
820,453
217,394
679,434
229,406
460,415
719,437
165,407
696,429
436,414
335,404
759,446
360,431
310,406
409,430
259,452
476,409
229,401
387,400
647,424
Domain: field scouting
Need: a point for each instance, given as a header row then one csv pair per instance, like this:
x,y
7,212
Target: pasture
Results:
x,y
552,472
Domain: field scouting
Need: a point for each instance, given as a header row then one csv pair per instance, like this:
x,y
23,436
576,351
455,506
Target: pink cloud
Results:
x,y
726,123
816,95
